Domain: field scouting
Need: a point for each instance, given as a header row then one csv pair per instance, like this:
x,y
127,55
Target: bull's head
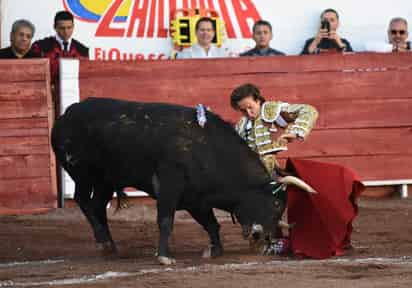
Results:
x,y
260,222
260,214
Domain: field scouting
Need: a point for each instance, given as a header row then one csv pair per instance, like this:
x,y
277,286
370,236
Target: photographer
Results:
x,y
327,39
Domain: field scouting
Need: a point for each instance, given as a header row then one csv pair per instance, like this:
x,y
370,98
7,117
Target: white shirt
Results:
x,y
60,40
196,51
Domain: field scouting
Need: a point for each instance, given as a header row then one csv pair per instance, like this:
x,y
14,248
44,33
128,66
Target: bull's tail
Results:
x,y
122,201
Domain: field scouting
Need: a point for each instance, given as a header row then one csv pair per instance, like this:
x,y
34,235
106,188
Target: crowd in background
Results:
x,y
326,40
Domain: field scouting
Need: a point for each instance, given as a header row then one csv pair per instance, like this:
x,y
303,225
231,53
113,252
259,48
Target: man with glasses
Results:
x,y
398,35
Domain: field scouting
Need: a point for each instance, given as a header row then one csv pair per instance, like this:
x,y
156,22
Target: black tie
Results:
x,y
65,46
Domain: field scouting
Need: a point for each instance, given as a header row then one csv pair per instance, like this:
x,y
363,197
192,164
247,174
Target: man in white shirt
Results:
x,y
204,48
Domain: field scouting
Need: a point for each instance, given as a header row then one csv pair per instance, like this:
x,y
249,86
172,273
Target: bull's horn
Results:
x,y
297,182
285,225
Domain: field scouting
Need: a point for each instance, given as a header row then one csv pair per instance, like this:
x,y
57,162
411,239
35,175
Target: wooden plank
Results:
x,y
23,70
339,113
365,61
353,142
365,113
375,167
51,116
22,91
24,194
248,65
24,145
27,165
24,166
23,127
23,109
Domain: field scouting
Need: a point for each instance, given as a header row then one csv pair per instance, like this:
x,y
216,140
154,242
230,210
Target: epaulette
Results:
x,y
270,111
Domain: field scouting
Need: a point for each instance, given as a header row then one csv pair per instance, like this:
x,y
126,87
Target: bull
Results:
x,y
106,145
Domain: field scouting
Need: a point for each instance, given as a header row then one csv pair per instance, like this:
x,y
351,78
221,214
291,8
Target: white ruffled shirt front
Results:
x,y
196,51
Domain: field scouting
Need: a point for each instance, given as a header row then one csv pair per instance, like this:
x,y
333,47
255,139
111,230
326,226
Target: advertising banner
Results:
x,y
140,29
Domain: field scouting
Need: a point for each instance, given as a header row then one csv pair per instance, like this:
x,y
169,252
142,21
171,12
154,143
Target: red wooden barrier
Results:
x,y
364,100
27,169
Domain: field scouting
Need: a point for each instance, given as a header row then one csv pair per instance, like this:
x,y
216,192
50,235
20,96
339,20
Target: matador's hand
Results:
x,y
287,138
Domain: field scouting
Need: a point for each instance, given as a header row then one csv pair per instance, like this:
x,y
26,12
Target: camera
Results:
x,y
325,43
325,25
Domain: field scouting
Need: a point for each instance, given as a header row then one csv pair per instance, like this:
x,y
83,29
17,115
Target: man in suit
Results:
x,y
62,45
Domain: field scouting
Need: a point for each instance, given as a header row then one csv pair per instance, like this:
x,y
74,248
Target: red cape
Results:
x,y
324,220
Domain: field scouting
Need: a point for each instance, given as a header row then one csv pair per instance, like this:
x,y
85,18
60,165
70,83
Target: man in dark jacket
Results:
x,y
327,39
262,35
22,32
62,45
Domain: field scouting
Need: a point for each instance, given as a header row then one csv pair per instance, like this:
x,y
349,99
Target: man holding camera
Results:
x,y
327,39
398,35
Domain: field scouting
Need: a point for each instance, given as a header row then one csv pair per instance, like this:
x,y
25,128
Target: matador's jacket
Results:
x,y
276,118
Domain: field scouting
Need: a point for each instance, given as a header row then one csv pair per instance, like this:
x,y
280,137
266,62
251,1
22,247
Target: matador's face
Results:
x,y
249,107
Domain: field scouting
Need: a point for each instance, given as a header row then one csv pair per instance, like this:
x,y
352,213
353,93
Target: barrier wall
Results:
x,y
27,169
364,100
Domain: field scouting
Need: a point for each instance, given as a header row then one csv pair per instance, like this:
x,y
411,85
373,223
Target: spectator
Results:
x,y
327,39
62,44
398,35
204,48
262,35
22,32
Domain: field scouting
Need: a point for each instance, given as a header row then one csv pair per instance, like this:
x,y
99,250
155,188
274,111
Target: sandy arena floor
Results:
x,y
57,250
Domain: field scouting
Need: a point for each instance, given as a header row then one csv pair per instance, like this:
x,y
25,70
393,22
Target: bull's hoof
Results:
x,y
107,248
166,260
212,251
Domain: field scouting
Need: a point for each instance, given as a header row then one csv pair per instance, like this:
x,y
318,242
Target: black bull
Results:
x,y
106,145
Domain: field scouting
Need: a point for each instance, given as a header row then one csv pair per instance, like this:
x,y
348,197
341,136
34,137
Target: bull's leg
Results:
x,y
207,219
101,197
82,196
172,184
90,208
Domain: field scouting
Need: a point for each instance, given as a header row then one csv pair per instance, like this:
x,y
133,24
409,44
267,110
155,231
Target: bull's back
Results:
x,y
125,136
